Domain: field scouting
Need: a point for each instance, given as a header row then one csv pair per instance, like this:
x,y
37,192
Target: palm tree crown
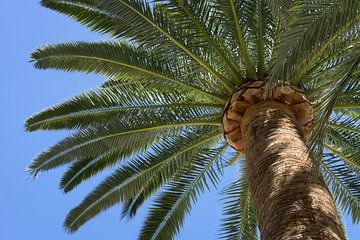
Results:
x,y
170,66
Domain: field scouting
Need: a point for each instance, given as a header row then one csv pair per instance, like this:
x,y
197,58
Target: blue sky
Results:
x,y
35,209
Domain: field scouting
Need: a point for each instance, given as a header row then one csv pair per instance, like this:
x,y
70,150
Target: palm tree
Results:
x,y
270,87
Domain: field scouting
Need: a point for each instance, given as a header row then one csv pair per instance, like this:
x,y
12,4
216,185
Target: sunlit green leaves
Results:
x,y
114,59
169,209
106,105
344,185
169,155
313,28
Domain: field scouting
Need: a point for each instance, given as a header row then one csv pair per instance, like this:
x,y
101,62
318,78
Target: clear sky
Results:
x,y
35,209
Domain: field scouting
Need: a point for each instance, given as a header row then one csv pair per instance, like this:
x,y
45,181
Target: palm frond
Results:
x,y
136,20
204,30
349,125
130,178
114,59
233,159
230,14
260,38
121,103
169,209
324,104
344,185
265,34
345,144
84,169
314,27
128,136
91,143
321,73
239,220
280,10
348,103
131,205
158,177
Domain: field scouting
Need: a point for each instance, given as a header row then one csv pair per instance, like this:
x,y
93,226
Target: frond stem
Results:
x,y
119,109
260,43
339,181
211,41
234,159
130,132
344,128
185,194
342,156
220,78
147,170
250,69
346,106
220,99
305,65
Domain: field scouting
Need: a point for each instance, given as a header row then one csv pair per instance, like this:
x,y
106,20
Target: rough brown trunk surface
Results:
x,y
290,201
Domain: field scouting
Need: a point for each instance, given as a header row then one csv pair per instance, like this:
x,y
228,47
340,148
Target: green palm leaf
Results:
x,y
239,220
315,26
344,185
197,18
106,105
93,141
324,104
110,59
345,145
169,209
84,169
126,181
229,13
280,9
134,14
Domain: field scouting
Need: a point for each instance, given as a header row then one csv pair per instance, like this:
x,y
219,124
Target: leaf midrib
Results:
x,y
119,134
341,156
118,109
185,194
220,78
147,71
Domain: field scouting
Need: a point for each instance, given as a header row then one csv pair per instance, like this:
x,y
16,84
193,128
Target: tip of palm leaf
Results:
x,y
36,64
68,230
69,224
34,172
34,55
45,3
31,125
65,187
127,214
38,55
27,126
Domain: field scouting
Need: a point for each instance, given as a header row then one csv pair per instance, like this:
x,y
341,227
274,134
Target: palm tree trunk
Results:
x,y
291,202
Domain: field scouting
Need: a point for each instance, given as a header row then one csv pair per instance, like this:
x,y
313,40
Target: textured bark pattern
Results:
x,y
254,92
290,201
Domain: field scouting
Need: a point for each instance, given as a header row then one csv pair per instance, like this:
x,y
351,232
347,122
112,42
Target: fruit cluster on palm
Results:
x,y
171,67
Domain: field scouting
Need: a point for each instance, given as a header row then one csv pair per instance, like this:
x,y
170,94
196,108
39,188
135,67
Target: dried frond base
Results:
x,y
252,93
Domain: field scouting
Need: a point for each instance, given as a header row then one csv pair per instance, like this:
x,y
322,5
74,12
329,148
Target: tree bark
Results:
x,y
291,202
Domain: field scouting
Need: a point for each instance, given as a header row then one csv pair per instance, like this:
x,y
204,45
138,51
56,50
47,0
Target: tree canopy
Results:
x,y
170,66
